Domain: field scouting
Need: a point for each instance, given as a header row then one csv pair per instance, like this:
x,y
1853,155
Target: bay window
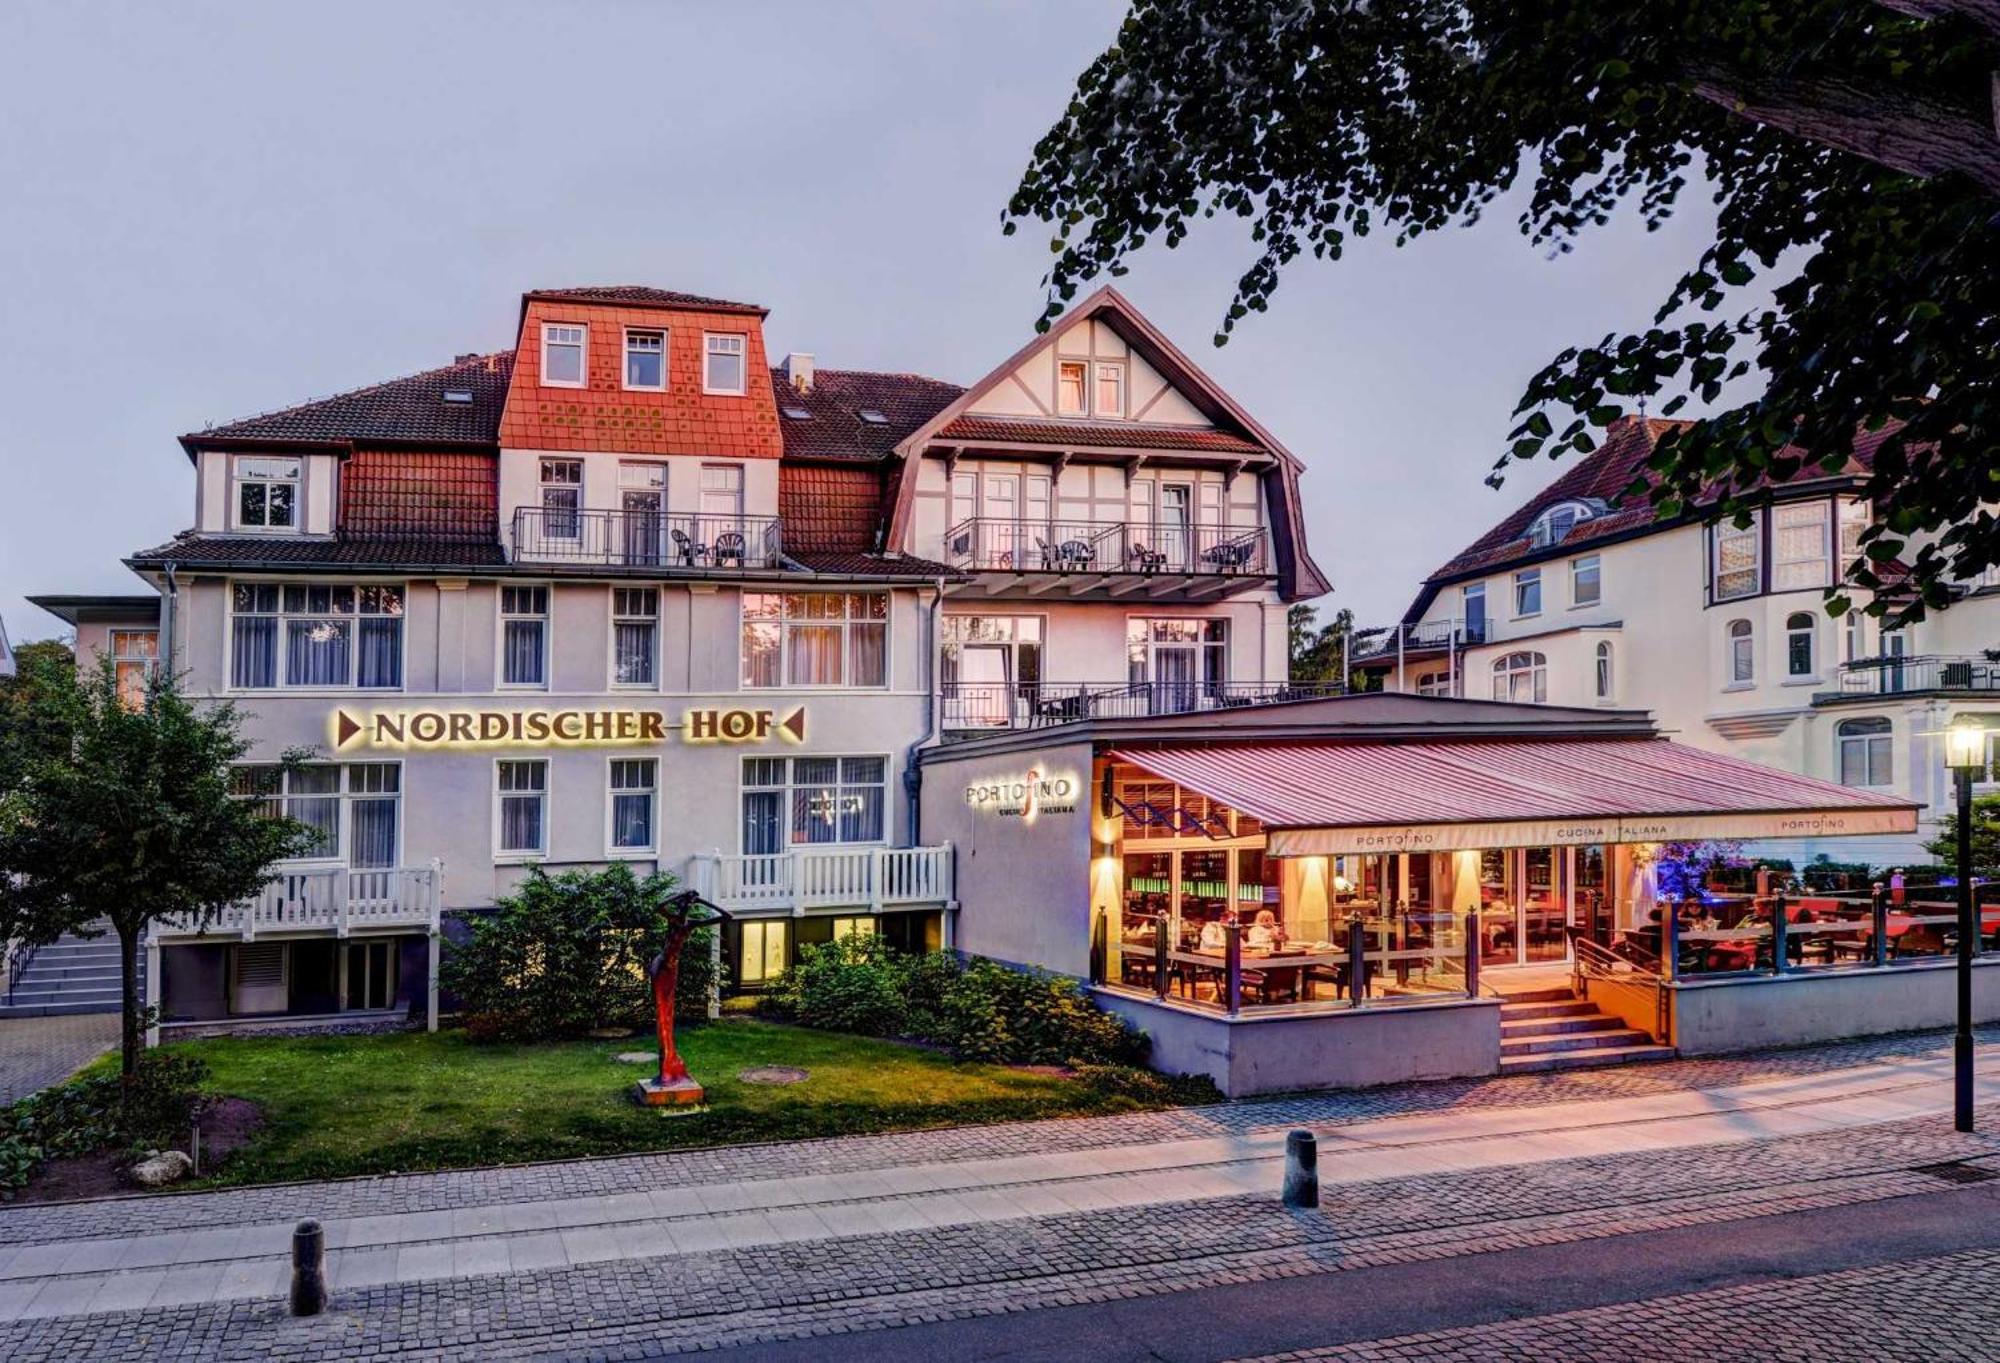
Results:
x,y
815,639
1801,552
1738,569
333,635
807,801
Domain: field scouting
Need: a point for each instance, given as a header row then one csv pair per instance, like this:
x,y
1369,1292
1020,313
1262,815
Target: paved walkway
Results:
x,y
37,1052
816,1213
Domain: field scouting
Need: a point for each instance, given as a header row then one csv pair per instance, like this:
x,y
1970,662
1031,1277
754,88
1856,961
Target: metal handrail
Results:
x,y
19,956
701,541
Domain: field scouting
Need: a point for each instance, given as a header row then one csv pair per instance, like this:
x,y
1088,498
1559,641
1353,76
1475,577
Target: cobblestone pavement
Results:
x,y
1915,1311
876,1274
37,1052
729,1164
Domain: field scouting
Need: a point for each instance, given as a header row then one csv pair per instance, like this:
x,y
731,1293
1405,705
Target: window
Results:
x,y
763,956
646,360
1434,684
1738,569
1801,635
723,371
806,801
521,789
634,791
815,639
1853,520
268,492
1071,397
1605,680
1474,599
1110,390
562,355
353,809
635,635
1863,747
854,927
1586,581
1521,676
1800,553
985,662
134,655
562,498
1853,634
371,975
1528,592
1178,659
524,636
1553,525
1742,641
331,635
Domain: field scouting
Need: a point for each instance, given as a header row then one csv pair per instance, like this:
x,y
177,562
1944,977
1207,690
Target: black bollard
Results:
x,y
1301,1169
308,1268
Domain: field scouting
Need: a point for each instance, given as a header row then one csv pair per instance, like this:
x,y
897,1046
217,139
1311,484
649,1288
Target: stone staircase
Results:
x,y
70,975
1552,1029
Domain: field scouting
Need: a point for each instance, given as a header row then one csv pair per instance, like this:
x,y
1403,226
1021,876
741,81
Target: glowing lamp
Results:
x,y
1965,747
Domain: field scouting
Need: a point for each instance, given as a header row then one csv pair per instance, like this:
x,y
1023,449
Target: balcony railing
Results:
x,y
990,544
866,879
647,539
1903,676
1423,636
336,899
971,707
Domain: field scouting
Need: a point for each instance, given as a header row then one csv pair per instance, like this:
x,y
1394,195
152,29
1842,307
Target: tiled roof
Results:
x,y
644,295
1121,434
228,551
831,508
834,429
871,565
409,408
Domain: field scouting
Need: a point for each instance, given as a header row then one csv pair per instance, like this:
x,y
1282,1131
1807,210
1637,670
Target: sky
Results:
x,y
215,210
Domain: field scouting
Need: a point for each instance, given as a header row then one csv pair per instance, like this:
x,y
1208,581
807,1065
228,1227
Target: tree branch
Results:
x,y
1985,13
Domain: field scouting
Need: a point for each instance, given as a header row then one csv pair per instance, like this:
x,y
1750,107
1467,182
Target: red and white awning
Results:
x,y
1338,798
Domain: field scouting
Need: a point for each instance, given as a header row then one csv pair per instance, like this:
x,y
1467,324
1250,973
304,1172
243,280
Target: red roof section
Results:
x,y
830,508
1106,434
644,295
606,417
1321,785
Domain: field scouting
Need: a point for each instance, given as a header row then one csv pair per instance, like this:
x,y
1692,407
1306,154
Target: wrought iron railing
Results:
x,y
1423,634
1894,676
979,706
648,539
997,544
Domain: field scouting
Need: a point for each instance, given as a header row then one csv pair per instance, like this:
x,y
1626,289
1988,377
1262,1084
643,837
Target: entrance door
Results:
x,y
1523,905
642,491
1000,507
985,690
1176,525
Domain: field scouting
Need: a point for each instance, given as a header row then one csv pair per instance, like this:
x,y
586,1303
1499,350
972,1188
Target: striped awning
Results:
x,y
1320,798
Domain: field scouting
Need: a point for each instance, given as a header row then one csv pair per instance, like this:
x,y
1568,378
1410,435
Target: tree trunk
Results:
x,y
129,1038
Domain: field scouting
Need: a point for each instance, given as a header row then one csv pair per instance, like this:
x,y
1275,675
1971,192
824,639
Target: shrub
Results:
x,y
156,1107
852,984
18,1157
1144,1086
566,955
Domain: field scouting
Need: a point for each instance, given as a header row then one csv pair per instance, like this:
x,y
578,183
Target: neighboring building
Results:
x,y
1577,598
624,591
6,652
123,629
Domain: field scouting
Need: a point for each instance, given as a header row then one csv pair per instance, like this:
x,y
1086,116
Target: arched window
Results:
x,y
1521,676
1742,653
1434,683
1605,680
1553,525
1801,645
1863,747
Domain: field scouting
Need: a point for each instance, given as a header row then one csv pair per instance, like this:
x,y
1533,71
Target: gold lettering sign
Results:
x,y
742,726
463,730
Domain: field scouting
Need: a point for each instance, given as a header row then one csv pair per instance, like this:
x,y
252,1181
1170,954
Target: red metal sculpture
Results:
x,y
674,1087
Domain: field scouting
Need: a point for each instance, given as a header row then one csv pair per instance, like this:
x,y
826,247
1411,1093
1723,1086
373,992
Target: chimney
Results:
x,y
799,370
467,358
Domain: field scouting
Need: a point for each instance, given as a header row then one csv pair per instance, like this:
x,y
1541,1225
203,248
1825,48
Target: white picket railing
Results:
x,y
334,899
867,878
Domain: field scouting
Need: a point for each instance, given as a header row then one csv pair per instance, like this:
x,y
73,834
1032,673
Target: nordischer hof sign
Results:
x,y
400,730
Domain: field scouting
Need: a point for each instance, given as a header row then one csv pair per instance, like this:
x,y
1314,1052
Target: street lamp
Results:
x,y
1965,754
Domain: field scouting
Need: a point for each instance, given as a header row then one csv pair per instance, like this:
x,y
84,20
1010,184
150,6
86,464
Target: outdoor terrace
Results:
x,y
982,707
334,900
1911,676
804,880
1115,558
656,540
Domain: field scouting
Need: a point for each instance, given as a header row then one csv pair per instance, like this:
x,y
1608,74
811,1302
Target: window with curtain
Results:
x,y
268,492
1801,551
635,635
134,654
762,957
1521,676
374,805
815,639
1605,679
562,498
1738,567
1854,516
334,635
634,792
522,793
1801,651
804,801
1864,750
1071,397
524,636
353,809
1110,397
1742,644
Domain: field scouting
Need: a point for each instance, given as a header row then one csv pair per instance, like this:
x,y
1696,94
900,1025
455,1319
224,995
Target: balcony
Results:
x,y
1426,636
1115,558
1911,676
664,541
972,708
335,901
827,879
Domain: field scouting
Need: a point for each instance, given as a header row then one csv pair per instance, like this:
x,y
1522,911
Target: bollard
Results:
x,y
308,1268
1781,923
1301,1169
1878,922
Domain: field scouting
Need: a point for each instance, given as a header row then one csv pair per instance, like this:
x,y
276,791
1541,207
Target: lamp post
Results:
x,y
1965,754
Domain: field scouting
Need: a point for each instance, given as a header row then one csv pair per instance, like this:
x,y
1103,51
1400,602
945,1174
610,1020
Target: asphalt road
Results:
x,y
1239,1321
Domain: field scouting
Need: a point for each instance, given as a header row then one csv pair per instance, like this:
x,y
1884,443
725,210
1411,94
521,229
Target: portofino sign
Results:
x,y
418,730
1024,797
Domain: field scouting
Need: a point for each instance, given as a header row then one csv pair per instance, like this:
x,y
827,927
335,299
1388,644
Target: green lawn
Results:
x,y
337,1105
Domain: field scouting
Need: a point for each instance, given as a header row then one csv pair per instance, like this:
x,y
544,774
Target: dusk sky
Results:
x,y
215,210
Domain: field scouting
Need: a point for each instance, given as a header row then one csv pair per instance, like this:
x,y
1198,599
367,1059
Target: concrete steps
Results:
x,y
69,975
1552,1029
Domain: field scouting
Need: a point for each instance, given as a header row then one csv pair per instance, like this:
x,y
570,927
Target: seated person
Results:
x,y
1213,937
1265,934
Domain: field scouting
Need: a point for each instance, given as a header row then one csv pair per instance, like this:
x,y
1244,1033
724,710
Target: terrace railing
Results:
x,y
973,707
868,879
1423,635
1903,676
337,899
1801,933
666,540
1148,549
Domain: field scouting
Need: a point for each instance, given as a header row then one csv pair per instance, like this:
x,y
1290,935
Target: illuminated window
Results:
x,y
815,639
1072,398
805,801
331,635
764,950
134,655
562,355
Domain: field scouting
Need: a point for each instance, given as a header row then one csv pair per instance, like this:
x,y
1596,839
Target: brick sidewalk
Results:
x,y
37,1052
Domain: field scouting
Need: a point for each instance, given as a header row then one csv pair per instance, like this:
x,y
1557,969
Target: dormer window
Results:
x,y
562,355
724,369
1072,388
1110,390
1553,525
267,492
646,361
